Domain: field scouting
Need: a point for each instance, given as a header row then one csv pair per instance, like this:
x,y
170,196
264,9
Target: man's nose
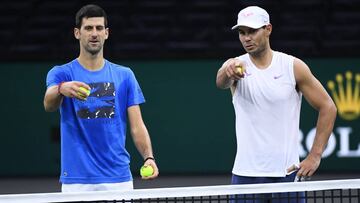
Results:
x,y
247,37
94,32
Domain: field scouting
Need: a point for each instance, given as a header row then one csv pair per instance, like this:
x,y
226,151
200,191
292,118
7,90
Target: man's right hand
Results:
x,y
71,89
231,71
234,69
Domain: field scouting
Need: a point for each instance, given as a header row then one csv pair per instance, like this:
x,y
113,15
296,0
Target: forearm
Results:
x,y
143,144
222,80
324,128
52,99
142,141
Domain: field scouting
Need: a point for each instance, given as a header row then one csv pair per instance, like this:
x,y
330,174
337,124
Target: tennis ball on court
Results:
x,y
146,171
85,90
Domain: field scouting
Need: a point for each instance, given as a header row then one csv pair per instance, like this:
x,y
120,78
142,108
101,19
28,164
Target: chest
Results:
x,y
271,87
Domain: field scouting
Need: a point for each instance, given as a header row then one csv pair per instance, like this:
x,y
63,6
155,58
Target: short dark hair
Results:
x,y
88,11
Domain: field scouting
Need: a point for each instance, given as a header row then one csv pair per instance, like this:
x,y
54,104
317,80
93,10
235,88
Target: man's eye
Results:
x,y
252,31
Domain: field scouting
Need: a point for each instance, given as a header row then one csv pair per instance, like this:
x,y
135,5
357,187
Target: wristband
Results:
x,y
59,86
152,158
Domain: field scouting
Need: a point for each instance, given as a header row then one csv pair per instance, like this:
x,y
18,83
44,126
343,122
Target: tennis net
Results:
x,y
327,191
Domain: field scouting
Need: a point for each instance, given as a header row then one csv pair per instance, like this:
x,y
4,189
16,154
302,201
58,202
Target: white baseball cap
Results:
x,y
253,17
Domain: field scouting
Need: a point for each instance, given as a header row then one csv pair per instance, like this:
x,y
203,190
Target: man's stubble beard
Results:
x,y
93,51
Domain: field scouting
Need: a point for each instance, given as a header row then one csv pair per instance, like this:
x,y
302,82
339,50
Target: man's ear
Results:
x,y
107,33
77,33
268,29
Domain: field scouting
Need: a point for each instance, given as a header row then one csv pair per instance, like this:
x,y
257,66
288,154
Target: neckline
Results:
x,y
263,69
91,71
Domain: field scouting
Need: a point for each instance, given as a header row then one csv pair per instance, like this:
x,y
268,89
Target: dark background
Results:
x,y
175,48
163,29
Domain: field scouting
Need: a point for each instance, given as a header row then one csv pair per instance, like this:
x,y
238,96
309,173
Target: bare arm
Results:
x,y
320,100
228,74
54,95
52,99
141,138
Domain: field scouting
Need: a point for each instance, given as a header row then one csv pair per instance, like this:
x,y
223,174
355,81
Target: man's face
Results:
x,y
92,34
254,40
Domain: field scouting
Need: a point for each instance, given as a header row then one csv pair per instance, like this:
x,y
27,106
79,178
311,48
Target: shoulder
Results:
x,y
295,63
300,66
119,68
63,68
301,70
121,71
283,56
59,73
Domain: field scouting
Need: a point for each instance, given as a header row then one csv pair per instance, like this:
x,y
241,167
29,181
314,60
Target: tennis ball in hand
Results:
x,y
85,90
240,69
146,171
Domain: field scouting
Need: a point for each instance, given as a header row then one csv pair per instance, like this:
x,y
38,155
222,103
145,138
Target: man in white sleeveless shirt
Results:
x,y
267,87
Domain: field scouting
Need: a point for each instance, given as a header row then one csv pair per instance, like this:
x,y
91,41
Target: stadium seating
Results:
x,y
140,29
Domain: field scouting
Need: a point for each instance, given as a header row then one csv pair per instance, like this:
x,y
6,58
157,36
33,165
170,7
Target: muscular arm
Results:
x,y
222,80
141,137
54,95
319,99
227,75
52,99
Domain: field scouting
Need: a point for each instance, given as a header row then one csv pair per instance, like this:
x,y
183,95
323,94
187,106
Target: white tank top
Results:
x,y
267,110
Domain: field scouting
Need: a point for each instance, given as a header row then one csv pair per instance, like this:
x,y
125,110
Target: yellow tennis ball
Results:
x,y
240,69
146,171
85,90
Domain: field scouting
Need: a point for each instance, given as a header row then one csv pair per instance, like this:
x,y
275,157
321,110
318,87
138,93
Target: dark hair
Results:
x,y
88,11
